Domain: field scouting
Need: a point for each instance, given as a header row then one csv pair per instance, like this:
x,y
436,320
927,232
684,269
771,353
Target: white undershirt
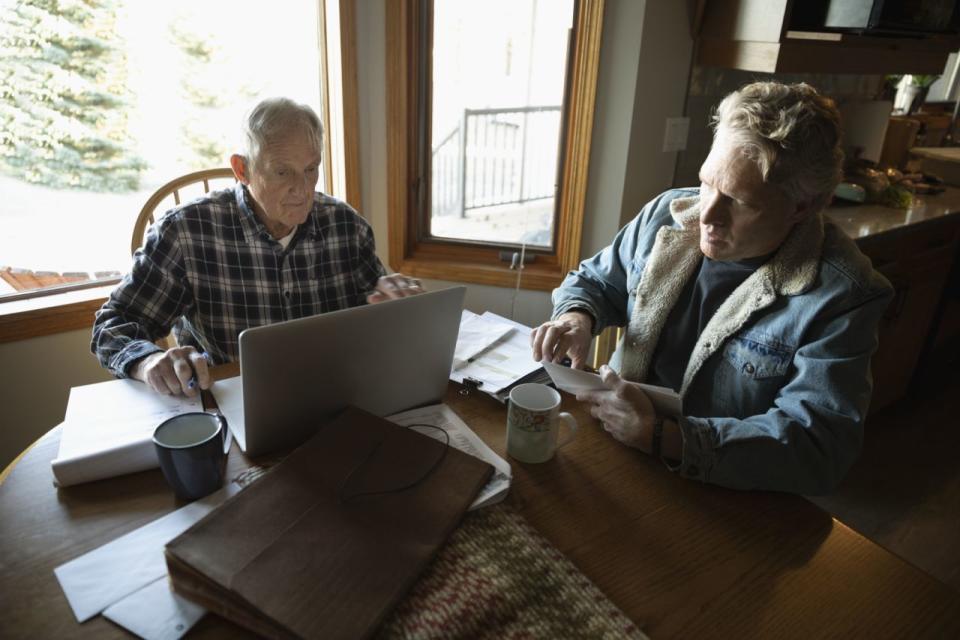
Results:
x,y
285,240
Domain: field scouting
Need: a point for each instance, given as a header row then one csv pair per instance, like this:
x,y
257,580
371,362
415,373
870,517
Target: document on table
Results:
x,y
476,335
666,401
108,430
129,568
463,438
504,362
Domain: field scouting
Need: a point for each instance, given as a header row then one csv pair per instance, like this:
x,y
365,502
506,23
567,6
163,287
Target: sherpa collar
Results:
x,y
673,261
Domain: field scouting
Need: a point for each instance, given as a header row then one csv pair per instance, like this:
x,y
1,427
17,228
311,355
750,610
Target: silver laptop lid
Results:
x,y
383,358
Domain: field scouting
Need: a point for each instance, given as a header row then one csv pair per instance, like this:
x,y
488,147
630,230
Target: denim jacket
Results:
x,y
778,384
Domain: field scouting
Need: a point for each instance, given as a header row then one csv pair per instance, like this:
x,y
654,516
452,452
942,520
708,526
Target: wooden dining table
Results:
x,y
682,559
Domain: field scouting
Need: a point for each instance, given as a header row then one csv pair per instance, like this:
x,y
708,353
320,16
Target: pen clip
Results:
x,y
470,384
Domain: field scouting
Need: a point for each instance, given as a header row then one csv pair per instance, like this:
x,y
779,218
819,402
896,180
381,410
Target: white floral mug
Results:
x,y
533,423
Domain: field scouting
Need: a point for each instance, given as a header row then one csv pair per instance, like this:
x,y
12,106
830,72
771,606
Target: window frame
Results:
x,y
467,261
339,99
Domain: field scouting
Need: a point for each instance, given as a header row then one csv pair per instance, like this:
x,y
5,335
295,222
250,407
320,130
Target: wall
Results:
x,y
35,380
708,86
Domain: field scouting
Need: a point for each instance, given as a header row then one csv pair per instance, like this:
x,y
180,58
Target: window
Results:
x,y
103,102
490,110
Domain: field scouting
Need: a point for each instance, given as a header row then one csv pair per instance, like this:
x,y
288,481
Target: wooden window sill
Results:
x,y
50,314
539,277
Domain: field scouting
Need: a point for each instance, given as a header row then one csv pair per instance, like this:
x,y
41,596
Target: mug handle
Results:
x,y
571,424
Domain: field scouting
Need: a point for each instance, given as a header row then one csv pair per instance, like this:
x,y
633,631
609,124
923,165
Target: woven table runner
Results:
x,y
497,577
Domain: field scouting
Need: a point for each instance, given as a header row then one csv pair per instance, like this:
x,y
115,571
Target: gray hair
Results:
x,y
791,132
274,117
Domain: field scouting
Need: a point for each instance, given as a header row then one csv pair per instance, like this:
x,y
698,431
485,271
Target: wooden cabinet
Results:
x,y
762,35
917,261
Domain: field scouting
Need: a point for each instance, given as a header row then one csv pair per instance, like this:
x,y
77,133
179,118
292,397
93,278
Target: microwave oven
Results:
x,y
879,17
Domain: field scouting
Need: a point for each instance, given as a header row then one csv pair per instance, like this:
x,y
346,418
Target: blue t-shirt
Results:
x,y
699,300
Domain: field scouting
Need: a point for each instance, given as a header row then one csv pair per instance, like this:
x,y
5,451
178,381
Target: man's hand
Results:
x,y
624,410
395,285
181,370
568,335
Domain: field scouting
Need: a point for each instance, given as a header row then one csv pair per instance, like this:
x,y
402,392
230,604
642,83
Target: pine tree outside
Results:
x,y
102,101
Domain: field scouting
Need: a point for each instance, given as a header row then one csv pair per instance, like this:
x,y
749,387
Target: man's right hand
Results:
x,y
170,372
569,335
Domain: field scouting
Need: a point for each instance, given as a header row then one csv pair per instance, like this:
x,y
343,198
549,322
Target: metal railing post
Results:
x,y
523,157
463,165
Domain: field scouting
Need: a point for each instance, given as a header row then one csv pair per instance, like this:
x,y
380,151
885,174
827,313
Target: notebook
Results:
x,y
328,541
383,358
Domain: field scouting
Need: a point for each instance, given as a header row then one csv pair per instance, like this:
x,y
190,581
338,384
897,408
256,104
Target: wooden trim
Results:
x,y
573,193
351,126
329,183
340,102
47,315
400,46
470,263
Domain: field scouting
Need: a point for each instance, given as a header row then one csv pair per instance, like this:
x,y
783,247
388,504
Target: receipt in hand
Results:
x,y
665,401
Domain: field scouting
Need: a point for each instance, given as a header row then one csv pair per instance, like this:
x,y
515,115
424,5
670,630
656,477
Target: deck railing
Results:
x,y
496,157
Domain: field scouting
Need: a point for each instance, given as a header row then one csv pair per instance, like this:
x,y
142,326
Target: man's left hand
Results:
x,y
395,285
624,410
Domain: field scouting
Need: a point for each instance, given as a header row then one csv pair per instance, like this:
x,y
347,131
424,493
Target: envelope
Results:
x,y
666,401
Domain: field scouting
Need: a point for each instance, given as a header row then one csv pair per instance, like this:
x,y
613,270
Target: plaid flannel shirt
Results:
x,y
209,269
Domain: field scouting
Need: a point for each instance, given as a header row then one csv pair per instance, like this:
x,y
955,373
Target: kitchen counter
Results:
x,y
915,249
862,220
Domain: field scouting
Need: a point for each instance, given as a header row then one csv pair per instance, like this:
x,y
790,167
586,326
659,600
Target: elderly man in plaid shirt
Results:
x,y
270,249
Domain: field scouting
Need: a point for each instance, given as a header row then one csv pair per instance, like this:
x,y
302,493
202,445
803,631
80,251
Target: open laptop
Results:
x,y
383,358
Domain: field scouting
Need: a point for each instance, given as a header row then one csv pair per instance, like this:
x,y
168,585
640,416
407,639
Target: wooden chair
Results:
x,y
604,345
146,217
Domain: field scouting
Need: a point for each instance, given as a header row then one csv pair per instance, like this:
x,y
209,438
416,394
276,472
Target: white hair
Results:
x,y
791,132
273,118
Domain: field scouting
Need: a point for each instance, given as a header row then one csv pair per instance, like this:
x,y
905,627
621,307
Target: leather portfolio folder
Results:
x,y
327,542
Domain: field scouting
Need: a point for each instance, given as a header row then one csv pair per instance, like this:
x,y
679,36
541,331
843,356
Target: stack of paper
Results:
x,y
108,430
494,354
125,580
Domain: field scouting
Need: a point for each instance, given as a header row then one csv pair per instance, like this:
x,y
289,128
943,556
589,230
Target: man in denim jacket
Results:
x,y
742,298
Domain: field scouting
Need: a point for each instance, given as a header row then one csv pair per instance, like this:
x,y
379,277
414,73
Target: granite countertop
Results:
x,y
861,220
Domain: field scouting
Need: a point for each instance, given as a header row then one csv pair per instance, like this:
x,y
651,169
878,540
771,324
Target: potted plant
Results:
x,y
912,91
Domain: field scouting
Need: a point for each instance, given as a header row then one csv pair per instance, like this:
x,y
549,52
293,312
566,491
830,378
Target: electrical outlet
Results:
x,y
675,134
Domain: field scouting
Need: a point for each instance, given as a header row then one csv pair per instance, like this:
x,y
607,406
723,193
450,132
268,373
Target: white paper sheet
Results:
x,y
109,427
476,334
229,396
665,401
155,612
109,573
123,398
463,438
503,363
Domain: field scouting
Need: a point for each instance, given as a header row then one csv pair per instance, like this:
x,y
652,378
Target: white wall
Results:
x,y
35,380
643,79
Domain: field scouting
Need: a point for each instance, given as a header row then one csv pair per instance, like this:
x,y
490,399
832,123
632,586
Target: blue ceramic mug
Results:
x,y
190,451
